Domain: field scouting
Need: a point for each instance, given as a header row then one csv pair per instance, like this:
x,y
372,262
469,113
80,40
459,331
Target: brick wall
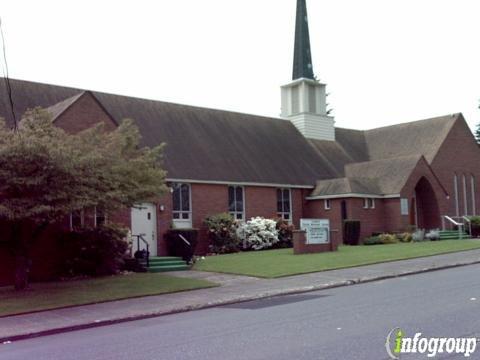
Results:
x,y
83,114
461,155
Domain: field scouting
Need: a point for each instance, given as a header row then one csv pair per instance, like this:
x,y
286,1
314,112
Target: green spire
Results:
x,y
302,61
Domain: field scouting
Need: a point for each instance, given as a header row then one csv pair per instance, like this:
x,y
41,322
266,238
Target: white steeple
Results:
x,y
304,101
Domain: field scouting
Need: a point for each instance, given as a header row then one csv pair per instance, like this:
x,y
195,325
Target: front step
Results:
x,y
453,235
165,263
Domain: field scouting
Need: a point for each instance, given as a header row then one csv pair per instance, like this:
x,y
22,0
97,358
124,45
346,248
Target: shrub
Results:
x,y
222,233
405,237
381,239
258,233
388,239
475,220
418,235
93,252
372,240
351,232
285,234
433,235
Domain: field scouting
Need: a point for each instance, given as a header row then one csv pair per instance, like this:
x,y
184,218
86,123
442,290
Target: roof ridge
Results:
x,y
150,99
453,116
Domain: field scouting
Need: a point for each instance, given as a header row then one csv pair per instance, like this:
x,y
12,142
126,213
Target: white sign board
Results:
x,y
404,206
318,230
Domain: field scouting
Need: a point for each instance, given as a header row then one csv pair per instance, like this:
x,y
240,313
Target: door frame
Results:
x,y
151,236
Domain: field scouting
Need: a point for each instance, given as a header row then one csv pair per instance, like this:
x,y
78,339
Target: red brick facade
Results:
x,y
430,187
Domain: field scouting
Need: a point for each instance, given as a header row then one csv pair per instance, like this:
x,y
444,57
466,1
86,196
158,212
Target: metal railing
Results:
x,y
147,246
451,220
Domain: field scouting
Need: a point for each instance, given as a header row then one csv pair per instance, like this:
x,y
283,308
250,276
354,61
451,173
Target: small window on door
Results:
x,y
181,201
284,209
236,206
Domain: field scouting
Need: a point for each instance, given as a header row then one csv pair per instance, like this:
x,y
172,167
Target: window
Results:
x,y
465,198
236,203
181,201
77,219
100,217
455,192
283,204
474,203
327,204
371,203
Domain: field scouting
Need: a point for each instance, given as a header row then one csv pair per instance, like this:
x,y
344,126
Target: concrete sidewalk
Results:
x,y
233,289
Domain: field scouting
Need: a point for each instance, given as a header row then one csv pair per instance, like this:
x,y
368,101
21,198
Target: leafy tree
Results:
x,y
46,173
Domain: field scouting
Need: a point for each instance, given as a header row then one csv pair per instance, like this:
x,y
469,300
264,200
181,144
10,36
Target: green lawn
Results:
x,y
278,263
43,296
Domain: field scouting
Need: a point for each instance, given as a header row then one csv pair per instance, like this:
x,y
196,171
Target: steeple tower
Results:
x,y
302,60
304,100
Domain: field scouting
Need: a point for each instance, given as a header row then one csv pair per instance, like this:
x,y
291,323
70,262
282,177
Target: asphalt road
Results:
x,y
344,323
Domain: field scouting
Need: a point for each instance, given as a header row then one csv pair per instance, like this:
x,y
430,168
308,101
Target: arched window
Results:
x,y
455,192
474,202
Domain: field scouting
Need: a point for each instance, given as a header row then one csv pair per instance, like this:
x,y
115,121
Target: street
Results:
x,y
344,323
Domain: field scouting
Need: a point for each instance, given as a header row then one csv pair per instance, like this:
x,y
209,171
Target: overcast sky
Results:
x,y
385,61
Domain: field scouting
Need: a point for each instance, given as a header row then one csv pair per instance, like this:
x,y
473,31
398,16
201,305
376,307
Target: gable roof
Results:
x,y
422,137
202,144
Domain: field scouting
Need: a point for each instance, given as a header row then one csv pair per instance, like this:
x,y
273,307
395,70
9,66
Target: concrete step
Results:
x,y
157,269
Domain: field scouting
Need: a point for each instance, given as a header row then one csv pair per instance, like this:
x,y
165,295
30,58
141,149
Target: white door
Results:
x,y
144,221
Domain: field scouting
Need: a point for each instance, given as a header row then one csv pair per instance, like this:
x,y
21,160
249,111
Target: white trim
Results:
x,y
235,213
282,213
373,203
352,195
228,183
181,212
465,198
365,203
327,204
455,191
82,219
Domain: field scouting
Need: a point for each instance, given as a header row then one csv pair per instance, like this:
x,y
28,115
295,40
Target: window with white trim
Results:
x,y
365,203
181,194
474,202
465,196
327,204
368,203
371,203
455,192
284,209
236,205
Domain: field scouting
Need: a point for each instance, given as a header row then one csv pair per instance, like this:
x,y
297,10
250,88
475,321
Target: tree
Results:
x,y
46,173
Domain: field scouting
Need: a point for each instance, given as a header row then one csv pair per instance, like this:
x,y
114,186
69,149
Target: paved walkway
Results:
x,y
233,289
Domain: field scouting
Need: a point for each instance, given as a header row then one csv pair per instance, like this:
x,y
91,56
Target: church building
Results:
x,y
296,166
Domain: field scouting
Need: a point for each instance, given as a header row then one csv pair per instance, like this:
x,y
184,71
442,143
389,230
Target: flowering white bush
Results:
x,y
258,233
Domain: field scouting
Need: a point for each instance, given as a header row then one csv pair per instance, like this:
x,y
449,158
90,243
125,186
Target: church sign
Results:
x,y
317,230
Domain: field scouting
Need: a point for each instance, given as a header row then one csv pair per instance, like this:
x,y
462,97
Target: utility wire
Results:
x,y
7,79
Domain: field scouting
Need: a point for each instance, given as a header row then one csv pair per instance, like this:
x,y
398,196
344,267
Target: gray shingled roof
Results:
x,y
422,137
214,145
344,186
202,144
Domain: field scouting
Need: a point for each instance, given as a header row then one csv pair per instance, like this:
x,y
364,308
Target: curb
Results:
x,y
261,296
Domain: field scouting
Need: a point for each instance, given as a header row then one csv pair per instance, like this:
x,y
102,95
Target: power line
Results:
x,y
7,79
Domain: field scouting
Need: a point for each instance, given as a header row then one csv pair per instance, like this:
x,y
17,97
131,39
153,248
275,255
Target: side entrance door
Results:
x,y
144,221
